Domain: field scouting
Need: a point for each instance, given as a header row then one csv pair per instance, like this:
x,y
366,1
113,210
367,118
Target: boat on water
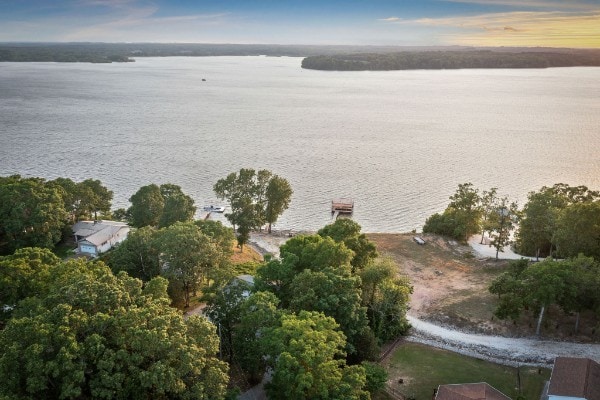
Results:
x,y
217,209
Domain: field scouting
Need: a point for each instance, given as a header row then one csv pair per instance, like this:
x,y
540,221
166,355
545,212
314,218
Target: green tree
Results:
x,y
278,196
146,206
465,201
489,205
259,314
585,278
546,284
537,227
255,197
307,358
334,293
178,207
535,286
25,274
348,232
221,234
386,297
511,290
578,230
504,221
68,192
96,335
315,252
302,252
120,214
92,198
541,213
376,376
32,213
188,256
462,217
242,192
138,255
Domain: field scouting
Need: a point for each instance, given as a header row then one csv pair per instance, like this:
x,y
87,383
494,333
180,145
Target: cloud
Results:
x,y
523,28
560,5
390,19
143,24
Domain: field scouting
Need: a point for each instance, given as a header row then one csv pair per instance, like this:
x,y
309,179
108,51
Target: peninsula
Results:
x,y
458,59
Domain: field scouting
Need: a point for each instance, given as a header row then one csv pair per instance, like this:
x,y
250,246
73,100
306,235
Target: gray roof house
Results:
x,y
95,237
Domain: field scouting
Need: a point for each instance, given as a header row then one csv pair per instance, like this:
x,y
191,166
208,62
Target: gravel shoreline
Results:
x,y
499,349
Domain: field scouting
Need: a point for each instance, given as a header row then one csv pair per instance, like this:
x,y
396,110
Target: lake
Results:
x,y
397,142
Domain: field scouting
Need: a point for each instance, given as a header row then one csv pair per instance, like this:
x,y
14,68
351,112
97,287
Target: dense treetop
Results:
x,y
36,212
91,334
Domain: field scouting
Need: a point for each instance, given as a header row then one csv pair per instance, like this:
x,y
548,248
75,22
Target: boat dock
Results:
x,y
341,207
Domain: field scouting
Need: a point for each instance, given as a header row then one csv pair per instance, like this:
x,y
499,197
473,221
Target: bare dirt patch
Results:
x,y
451,288
444,274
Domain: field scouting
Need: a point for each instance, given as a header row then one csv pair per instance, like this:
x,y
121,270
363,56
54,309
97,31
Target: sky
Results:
x,y
554,23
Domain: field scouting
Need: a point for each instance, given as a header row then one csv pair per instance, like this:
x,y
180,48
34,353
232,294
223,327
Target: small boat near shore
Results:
x,y
217,209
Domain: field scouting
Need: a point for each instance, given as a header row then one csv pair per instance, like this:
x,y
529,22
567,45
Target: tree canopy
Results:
x,y
255,198
188,257
138,255
461,218
160,206
306,355
32,213
347,231
96,335
559,215
567,284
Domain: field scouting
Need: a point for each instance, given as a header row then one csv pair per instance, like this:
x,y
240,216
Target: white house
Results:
x,y
95,237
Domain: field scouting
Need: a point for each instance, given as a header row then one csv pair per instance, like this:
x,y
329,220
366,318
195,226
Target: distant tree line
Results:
x,y
333,57
408,60
123,52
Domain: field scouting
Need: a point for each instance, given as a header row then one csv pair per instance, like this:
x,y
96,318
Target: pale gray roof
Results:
x,y
249,279
99,232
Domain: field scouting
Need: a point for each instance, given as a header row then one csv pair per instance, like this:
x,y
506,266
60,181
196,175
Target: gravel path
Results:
x,y
503,350
489,251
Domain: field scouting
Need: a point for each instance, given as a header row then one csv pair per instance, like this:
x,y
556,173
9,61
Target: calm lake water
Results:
x,y
396,142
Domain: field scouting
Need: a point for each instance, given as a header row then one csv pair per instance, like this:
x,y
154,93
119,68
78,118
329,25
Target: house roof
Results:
x,y
98,232
469,391
575,377
249,279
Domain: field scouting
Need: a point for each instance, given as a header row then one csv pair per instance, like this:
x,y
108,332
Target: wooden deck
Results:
x,y
342,206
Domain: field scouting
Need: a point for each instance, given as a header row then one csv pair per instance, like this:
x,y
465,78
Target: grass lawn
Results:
x,y
64,250
424,368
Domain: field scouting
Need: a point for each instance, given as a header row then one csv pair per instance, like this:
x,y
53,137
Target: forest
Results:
x,y
460,59
321,57
123,52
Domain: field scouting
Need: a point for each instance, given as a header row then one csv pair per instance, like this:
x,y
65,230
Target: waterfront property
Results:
x,y
95,237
